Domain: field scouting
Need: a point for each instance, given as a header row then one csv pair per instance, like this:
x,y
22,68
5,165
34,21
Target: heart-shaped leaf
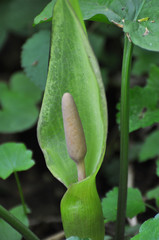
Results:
x,y
14,157
74,69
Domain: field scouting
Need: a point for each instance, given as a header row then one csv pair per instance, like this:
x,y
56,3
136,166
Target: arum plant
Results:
x,y
76,130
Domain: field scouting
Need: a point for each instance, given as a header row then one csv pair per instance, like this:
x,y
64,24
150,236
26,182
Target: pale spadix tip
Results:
x,y
74,134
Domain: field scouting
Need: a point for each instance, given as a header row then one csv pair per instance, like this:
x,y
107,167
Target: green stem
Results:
x,y
17,225
20,192
124,139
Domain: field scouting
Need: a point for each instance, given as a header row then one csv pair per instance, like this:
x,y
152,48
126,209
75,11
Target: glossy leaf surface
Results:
x,y
14,157
72,68
138,18
6,231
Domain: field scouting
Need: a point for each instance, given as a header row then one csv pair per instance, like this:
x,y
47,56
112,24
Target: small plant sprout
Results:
x,y
74,134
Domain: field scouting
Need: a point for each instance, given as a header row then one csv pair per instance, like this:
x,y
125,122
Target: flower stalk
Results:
x,y
124,139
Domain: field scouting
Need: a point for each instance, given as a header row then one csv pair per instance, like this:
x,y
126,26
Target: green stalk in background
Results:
x,y
17,225
124,139
20,192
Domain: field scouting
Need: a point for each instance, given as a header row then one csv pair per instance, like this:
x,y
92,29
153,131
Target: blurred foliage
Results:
x,y
6,231
144,110
135,204
17,16
143,61
150,147
153,194
77,238
35,56
18,101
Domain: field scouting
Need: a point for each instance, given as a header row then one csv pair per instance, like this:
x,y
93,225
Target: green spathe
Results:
x,y
73,68
81,211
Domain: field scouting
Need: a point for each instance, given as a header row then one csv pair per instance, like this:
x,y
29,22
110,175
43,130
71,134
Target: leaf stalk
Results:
x,y
20,192
17,225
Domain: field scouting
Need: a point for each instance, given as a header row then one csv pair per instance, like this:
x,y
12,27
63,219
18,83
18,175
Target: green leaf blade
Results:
x,y
77,238
138,18
153,194
145,112
73,68
135,204
148,230
18,100
35,55
150,148
14,157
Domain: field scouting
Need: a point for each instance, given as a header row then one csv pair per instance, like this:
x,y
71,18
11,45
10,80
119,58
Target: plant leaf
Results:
x,y
157,167
138,18
46,14
143,61
19,82
88,9
73,68
21,22
35,56
14,157
135,204
145,112
150,147
153,194
6,231
77,238
148,230
18,102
